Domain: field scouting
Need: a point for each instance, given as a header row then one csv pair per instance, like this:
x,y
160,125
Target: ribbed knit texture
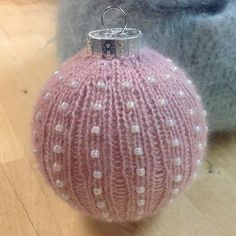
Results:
x,y
119,138
199,35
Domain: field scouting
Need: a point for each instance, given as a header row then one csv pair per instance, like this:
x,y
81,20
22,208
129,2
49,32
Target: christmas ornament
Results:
x,y
119,130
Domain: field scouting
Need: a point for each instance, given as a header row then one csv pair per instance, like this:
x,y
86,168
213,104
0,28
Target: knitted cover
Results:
x,y
119,138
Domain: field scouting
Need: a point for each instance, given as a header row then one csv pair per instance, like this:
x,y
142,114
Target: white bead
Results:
x,y
97,106
175,191
191,112
177,161
178,178
95,130
135,129
198,98
140,189
64,106
141,202
47,96
171,200
175,142
169,60
162,101
138,151
199,162
175,68
167,76
56,72
194,175
207,129
95,154
200,146
140,172
170,122
61,77
189,81
130,105
34,150
74,84
181,93
59,183
38,115
97,191
57,149
56,167
204,113
59,128
65,196
197,129
105,214
125,84
97,174
140,212
100,205
101,85
151,79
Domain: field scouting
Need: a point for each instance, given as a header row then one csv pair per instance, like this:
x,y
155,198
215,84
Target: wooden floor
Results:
x,y
27,205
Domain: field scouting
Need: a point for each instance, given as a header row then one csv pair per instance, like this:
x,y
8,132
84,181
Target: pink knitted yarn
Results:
x,y
119,138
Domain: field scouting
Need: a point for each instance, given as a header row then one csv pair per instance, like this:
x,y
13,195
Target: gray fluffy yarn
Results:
x,y
198,35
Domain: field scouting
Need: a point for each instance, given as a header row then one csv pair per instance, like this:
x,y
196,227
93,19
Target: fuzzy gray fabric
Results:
x,y
199,35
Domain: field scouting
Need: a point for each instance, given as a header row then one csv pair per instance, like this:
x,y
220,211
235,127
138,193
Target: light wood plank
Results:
x,y
31,193
217,185
14,219
25,63
8,140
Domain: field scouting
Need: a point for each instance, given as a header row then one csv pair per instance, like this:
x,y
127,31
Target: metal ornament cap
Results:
x,y
114,42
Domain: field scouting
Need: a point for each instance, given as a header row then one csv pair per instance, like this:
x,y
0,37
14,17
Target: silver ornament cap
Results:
x,y
114,42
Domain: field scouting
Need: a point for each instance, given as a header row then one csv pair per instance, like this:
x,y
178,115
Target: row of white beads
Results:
x,y
176,142
95,154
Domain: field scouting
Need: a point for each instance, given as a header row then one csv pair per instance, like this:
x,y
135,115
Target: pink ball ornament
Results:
x,y
119,136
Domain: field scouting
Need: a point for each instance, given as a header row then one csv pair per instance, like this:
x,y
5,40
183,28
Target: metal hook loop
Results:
x,y
120,10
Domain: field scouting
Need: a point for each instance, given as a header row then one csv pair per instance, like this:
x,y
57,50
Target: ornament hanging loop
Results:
x,y
114,42
118,9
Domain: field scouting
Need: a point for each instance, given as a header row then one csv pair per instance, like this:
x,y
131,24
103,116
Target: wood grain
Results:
x,y
28,206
